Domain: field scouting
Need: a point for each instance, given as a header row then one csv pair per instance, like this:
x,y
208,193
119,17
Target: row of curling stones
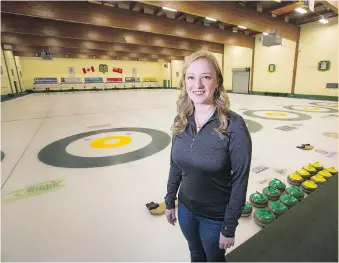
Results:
x,y
275,200
309,177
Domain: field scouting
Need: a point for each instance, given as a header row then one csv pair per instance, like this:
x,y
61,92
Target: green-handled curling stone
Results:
x,y
258,200
246,210
288,200
263,217
277,207
278,184
296,192
271,193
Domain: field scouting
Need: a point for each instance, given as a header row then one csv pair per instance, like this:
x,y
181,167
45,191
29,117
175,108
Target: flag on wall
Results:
x,y
84,70
118,70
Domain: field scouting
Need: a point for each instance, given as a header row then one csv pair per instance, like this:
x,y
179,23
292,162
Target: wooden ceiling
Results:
x,y
143,30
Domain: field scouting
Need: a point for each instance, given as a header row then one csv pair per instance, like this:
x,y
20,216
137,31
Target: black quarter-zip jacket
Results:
x,y
212,171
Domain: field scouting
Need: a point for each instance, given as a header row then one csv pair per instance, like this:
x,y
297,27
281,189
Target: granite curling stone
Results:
x,y
288,200
295,179
271,193
258,200
277,207
296,192
246,210
278,184
264,217
309,186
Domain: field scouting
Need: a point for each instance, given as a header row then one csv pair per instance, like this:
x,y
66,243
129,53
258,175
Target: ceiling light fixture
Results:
x,y
242,27
169,9
265,34
323,21
211,19
301,10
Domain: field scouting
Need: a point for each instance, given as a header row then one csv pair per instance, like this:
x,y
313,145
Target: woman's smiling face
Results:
x,y
201,81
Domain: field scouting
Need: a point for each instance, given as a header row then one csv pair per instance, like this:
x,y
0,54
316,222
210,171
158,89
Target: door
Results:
x,y
240,80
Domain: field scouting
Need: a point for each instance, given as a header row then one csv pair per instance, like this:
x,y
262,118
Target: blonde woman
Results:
x,y
210,161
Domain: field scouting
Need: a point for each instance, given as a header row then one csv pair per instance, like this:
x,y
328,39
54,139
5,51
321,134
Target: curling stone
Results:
x,y
246,210
258,200
309,186
332,170
306,146
277,207
294,179
318,179
296,192
288,200
317,166
311,170
263,217
326,174
271,193
278,184
304,174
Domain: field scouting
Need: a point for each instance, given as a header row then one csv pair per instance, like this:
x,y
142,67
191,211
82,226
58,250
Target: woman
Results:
x,y
210,161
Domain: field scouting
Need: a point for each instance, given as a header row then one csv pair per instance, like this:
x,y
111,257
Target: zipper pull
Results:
x,y
192,142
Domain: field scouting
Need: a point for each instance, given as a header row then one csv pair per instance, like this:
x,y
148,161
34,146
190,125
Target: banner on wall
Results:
x,y
94,80
114,80
132,79
324,65
70,80
103,68
129,79
85,70
118,70
149,79
45,80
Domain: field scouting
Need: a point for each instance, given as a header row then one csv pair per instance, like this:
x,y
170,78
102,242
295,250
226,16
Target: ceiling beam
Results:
x,y
89,14
91,52
230,13
23,39
315,17
285,9
42,27
86,56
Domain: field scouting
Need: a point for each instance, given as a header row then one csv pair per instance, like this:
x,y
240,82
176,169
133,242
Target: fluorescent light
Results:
x,y
211,19
301,10
243,27
169,9
323,21
265,34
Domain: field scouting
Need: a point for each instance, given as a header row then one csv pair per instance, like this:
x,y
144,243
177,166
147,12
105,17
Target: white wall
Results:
x,y
317,42
219,58
5,81
283,57
176,67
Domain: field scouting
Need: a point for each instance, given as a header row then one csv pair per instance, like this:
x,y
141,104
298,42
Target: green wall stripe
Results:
x,y
297,96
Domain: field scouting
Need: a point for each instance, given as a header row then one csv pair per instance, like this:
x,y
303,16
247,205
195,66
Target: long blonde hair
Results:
x,y
185,107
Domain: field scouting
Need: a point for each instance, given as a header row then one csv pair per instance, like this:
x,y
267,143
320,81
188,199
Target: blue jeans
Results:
x,y
202,236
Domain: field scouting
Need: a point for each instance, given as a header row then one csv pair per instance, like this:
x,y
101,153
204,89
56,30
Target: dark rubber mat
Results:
x,y
308,232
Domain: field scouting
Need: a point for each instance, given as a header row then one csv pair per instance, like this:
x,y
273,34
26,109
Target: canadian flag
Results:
x,y
84,70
